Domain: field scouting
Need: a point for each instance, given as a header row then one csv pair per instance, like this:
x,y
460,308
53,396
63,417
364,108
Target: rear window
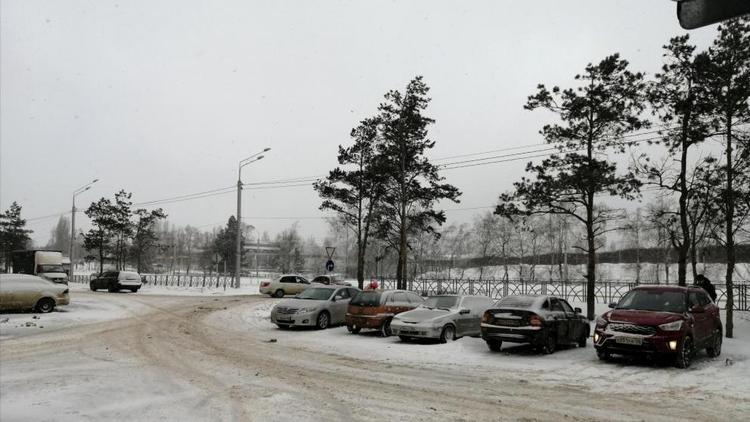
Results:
x,y
517,302
366,299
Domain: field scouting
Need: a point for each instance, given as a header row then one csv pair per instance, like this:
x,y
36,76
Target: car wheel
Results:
x,y
448,334
715,349
602,354
45,305
494,345
353,329
91,286
385,328
685,354
550,344
404,338
278,293
584,337
322,321
134,289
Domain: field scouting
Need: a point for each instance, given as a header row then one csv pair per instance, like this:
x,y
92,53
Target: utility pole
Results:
x,y
71,248
238,258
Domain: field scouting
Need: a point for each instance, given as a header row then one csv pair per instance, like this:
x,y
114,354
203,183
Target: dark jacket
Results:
x,y
706,285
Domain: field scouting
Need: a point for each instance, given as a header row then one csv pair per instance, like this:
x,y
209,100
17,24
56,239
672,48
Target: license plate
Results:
x,y
637,341
508,322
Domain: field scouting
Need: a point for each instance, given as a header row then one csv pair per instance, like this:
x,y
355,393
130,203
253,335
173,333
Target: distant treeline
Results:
x,y
708,254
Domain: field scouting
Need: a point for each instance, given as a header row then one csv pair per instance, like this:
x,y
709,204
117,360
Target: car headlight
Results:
x,y
671,326
306,310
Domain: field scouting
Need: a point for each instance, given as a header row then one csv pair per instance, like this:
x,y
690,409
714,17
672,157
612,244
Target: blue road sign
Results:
x,y
329,265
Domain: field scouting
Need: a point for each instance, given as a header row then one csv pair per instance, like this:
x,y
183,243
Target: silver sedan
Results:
x,y
442,317
319,306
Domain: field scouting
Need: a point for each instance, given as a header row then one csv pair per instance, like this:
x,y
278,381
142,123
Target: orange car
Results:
x,y
375,308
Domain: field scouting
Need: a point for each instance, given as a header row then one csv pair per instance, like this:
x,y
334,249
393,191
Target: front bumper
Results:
x,y
400,328
306,319
659,343
365,321
532,335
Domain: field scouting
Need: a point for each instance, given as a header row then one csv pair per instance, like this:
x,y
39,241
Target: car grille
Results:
x,y
632,329
286,311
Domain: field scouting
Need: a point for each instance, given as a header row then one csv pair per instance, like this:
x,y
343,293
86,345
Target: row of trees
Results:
x,y
696,97
385,187
13,233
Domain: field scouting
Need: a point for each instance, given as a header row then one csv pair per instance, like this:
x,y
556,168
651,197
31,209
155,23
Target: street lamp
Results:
x,y
77,192
238,260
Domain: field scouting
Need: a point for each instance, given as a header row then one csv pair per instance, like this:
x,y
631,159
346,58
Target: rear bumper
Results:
x,y
660,343
63,300
532,335
129,284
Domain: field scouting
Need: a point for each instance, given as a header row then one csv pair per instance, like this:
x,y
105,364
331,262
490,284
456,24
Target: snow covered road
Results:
x,y
219,358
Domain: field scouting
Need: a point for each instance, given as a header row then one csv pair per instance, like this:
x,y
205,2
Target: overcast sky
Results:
x,y
163,98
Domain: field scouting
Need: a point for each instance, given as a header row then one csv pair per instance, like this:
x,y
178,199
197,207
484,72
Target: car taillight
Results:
x,y
487,317
536,321
265,284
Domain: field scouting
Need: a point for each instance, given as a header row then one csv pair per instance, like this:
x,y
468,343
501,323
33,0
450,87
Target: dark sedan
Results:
x,y
542,321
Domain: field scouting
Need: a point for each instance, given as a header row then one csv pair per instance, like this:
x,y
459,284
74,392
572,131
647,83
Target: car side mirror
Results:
x,y
464,311
697,309
612,305
578,310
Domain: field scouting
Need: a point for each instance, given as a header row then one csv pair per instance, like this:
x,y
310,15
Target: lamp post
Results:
x,y
238,259
76,192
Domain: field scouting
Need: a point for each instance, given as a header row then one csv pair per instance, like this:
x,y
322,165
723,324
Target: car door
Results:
x,y
559,320
463,320
702,320
339,306
300,285
574,323
8,297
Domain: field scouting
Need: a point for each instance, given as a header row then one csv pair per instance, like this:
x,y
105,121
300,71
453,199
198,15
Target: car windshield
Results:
x,y
316,294
320,279
440,302
50,268
366,299
653,300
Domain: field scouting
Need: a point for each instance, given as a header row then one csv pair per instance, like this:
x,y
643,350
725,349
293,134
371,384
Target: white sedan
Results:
x,y
29,292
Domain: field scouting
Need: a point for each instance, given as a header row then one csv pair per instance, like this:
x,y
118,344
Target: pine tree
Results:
x,y
13,233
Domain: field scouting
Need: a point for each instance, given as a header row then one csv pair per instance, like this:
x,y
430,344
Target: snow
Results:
x,y
728,375
81,310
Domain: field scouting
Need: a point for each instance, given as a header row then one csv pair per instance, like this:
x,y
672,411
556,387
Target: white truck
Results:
x,y
42,263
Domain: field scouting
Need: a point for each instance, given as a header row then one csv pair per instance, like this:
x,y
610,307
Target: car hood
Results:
x,y
300,303
424,314
642,317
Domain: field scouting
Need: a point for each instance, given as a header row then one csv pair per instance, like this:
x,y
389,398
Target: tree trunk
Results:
x,y
684,246
591,263
729,326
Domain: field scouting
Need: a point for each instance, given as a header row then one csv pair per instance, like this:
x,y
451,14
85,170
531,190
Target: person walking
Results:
x,y
703,282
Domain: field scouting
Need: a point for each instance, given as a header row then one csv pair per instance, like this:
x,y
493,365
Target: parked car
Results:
x,y
442,317
543,321
330,279
375,309
114,281
666,321
318,306
29,292
287,284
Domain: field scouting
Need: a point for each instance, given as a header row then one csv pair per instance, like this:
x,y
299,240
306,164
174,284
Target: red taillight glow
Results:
x,y
487,317
535,321
265,284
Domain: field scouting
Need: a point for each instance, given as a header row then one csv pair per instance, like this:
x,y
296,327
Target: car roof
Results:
x,y
536,300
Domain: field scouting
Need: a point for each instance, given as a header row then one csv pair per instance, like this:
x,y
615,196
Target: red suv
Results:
x,y
660,321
